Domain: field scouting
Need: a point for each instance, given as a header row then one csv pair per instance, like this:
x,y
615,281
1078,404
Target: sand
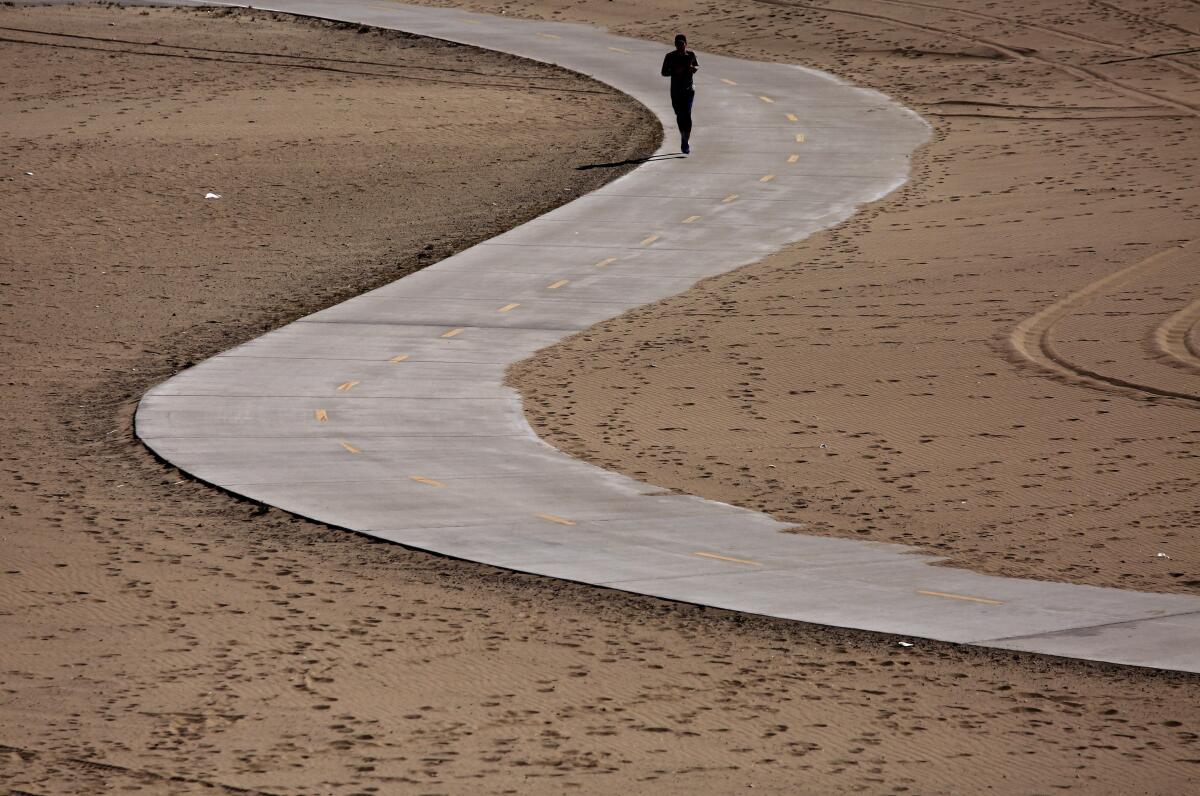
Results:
x,y
161,636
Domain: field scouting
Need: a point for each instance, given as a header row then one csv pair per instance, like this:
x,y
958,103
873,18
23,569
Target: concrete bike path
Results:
x,y
387,414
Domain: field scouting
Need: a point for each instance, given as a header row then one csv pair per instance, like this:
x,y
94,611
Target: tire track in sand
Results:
x,y
1079,38
1031,340
1172,338
1080,72
51,764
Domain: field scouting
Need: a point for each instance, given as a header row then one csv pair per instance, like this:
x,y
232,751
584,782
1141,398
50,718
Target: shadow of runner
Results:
x,y
667,156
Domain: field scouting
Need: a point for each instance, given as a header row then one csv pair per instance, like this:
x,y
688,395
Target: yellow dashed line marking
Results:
x,y
454,332
728,82
558,284
793,158
727,558
555,518
690,220
791,117
548,36
396,360
620,50
729,198
423,480
799,138
321,415
766,99
766,178
650,240
508,308
350,447
948,596
606,261
346,386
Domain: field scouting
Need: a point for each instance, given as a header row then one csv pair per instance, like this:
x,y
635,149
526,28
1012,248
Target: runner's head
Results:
x,y
681,42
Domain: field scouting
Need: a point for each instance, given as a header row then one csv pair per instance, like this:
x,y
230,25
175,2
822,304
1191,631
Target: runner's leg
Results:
x,y
691,97
681,102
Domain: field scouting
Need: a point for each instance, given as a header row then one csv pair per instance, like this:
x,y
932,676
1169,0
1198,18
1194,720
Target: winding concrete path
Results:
x,y
387,414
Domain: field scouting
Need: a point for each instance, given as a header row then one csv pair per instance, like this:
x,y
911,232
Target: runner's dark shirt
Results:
x,y
677,66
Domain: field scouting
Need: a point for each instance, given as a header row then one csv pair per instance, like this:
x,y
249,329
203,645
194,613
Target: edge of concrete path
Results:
x,y
259,441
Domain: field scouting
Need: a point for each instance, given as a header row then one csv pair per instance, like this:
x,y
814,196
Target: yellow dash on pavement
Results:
x,y
728,82
321,415
346,386
766,178
428,481
799,138
690,219
650,240
555,518
948,596
606,261
508,308
350,447
398,358
791,117
454,332
729,198
558,284
793,158
727,558
549,36
766,99
619,50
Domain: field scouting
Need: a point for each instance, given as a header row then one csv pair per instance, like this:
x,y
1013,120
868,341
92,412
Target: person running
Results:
x,y
679,65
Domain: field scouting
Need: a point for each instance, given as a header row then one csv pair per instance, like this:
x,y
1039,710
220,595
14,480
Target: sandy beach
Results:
x,y
161,636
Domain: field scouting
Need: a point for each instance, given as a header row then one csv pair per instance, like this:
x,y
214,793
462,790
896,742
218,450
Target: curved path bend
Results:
x,y
388,415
